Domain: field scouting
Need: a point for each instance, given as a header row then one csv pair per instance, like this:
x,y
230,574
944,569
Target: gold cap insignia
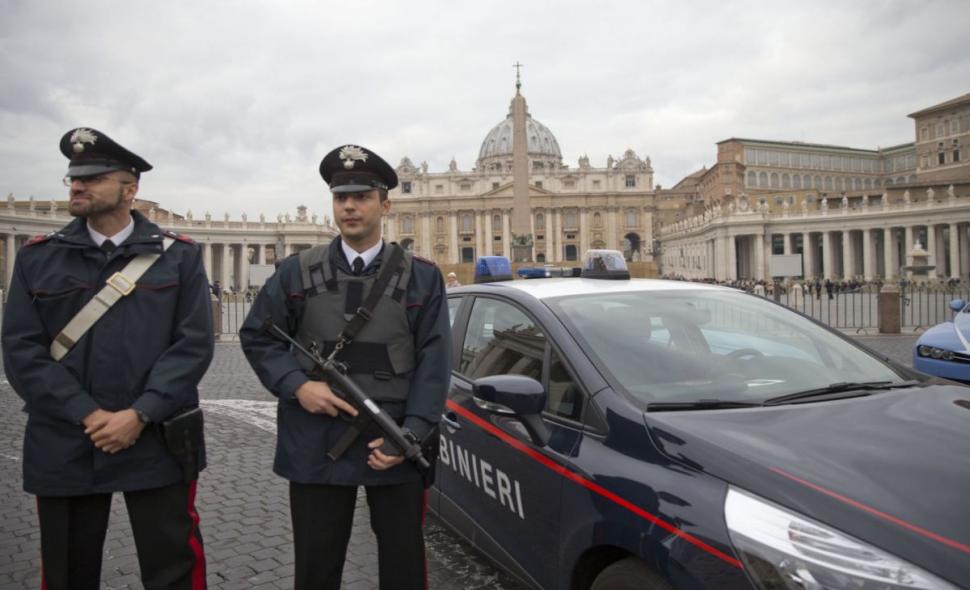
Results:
x,y
80,137
350,154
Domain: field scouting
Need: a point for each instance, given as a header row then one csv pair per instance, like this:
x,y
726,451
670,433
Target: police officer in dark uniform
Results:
x,y
97,383
400,358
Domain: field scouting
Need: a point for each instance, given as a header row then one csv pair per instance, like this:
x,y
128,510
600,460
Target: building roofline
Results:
x,y
953,102
801,145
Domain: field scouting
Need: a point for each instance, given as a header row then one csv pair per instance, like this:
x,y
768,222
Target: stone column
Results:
x,y
426,250
931,247
453,247
711,258
731,250
891,253
261,253
207,259
954,251
788,243
583,229
479,241
225,268
9,255
610,228
808,256
868,262
828,260
392,221
488,234
908,247
762,250
964,250
556,236
244,266
507,235
848,255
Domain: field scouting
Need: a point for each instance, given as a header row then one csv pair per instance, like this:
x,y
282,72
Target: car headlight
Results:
x,y
934,352
783,550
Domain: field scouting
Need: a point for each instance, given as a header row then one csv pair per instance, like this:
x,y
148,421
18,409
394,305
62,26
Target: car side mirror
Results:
x,y
957,305
515,394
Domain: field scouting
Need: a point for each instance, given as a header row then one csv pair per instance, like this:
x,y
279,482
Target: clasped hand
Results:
x,y
113,431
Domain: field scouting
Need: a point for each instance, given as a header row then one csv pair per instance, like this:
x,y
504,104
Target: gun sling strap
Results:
x,y
389,270
118,286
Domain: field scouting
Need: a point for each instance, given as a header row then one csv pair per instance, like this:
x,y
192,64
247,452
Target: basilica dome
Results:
x,y
498,143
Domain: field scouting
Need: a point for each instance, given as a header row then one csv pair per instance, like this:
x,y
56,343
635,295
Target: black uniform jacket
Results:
x,y
148,352
303,438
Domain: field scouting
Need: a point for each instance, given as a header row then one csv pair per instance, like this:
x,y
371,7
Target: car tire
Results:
x,y
629,574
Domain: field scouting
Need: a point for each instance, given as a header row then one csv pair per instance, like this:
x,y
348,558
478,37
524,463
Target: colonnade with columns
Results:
x,y
554,230
865,251
229,249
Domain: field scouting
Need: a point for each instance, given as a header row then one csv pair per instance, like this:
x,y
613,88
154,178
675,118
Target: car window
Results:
x,y
501,340
565,399
453,303
686,345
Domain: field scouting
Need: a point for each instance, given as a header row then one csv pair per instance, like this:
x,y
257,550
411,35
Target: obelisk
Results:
x,y
521,228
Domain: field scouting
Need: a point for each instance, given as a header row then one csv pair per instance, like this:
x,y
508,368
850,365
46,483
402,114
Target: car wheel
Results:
x,y
629,574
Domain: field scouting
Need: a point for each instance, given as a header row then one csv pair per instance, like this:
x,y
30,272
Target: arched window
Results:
x,y
797,181
439,225
631,218
496,222
467,222
540,221
763,179
774,180
407,225
597,220
817,182
785,180
828,184
752,179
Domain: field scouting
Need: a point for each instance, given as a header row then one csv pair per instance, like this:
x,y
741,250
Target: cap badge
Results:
x,y
80,137
350,154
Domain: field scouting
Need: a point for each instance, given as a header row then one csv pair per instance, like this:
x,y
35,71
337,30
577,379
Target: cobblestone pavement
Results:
x,y
242,504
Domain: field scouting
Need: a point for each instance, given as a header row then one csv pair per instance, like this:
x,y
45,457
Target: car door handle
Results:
x,y
451,420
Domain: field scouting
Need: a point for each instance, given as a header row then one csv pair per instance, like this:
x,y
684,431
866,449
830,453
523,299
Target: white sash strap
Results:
x,y
117,286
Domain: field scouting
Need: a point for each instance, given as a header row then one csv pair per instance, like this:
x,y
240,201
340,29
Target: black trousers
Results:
x,y
322,519
164,523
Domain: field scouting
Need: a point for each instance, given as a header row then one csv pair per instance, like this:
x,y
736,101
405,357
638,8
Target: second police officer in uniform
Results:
x,y
400,358
98,383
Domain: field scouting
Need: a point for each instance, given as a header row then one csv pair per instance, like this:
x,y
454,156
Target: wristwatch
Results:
x,y
143,417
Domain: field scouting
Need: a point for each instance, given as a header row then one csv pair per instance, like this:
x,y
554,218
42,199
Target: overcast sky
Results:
x,y
235,103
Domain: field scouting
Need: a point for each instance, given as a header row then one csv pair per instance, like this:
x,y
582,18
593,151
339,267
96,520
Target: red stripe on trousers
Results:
x,y
198,570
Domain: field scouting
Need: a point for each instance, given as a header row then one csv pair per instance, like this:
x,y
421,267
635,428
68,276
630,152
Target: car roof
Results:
x,y
558,287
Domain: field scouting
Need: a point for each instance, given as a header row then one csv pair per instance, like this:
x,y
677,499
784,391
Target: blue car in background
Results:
x,y
944,349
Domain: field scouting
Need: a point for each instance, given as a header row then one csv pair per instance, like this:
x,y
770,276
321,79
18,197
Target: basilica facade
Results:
x,y
456,215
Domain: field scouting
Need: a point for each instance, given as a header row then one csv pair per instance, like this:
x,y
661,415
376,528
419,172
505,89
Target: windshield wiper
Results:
x,y
701,404
854,387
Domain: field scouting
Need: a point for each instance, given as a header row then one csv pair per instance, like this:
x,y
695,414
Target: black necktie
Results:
x,y
108,246
358,265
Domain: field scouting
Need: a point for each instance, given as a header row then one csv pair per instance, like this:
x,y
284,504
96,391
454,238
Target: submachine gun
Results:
x,y
334,372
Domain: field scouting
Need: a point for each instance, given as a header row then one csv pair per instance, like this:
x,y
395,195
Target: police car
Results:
x,y
638,433
944,349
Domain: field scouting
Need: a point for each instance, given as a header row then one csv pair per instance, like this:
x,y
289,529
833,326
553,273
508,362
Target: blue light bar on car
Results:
x,y
489,269
544,272
605,264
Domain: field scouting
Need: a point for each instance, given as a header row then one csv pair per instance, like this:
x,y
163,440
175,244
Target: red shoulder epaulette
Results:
x,y
38,239
423,259
179,237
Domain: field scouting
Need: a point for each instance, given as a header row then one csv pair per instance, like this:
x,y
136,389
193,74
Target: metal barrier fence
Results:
x,y
849,310
234,311
924,306
921,306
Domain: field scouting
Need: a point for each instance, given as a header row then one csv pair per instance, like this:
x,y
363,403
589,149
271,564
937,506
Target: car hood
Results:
x,y
892,468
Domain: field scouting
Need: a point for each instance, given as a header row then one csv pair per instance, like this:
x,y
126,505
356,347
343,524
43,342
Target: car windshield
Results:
x,y
691,345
